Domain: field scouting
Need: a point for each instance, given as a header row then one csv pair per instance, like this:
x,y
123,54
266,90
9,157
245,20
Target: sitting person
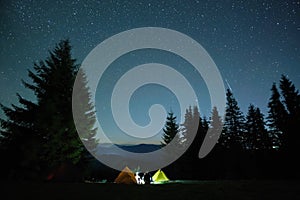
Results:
x,y
147,178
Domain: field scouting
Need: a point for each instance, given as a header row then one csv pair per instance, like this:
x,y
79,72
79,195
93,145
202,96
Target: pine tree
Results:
x,y
216,124
46,129
233,130
84,118
170,130
199,125
256,136
277,118
291,97
211,132
19,141
84,113
191,125
195,131
53,83
186,126
291,100
205,124
264,141
250,128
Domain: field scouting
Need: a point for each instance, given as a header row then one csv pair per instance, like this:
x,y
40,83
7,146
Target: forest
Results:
x,y
39,137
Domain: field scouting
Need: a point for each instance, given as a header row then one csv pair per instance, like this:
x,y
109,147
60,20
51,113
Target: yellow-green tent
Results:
x,y
159,176
126,176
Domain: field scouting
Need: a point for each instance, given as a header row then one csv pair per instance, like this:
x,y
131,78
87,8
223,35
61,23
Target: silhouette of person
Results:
x,y
138,178
141,177
147,178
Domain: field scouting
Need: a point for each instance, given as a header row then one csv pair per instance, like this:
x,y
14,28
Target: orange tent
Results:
x,y
126,176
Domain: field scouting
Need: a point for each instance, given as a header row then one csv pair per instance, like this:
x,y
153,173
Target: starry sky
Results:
x,y
251,42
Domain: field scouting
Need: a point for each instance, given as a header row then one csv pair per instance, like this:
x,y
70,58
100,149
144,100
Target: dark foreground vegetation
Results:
x,y
198,190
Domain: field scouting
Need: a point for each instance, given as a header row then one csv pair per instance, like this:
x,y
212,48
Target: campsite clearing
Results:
x,y
189,190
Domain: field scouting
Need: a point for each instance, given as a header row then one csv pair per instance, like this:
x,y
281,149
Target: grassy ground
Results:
x,y
189,190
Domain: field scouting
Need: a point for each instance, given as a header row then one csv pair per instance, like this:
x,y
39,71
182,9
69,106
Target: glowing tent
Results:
x,y
126,176
159,176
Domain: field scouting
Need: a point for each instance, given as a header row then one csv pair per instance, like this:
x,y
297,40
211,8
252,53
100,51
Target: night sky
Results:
x,y
251,42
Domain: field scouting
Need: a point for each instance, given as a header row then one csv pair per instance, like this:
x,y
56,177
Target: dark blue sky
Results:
x,y
251,42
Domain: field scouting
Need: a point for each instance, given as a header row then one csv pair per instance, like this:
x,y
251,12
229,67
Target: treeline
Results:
x,y
39,141
250,146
